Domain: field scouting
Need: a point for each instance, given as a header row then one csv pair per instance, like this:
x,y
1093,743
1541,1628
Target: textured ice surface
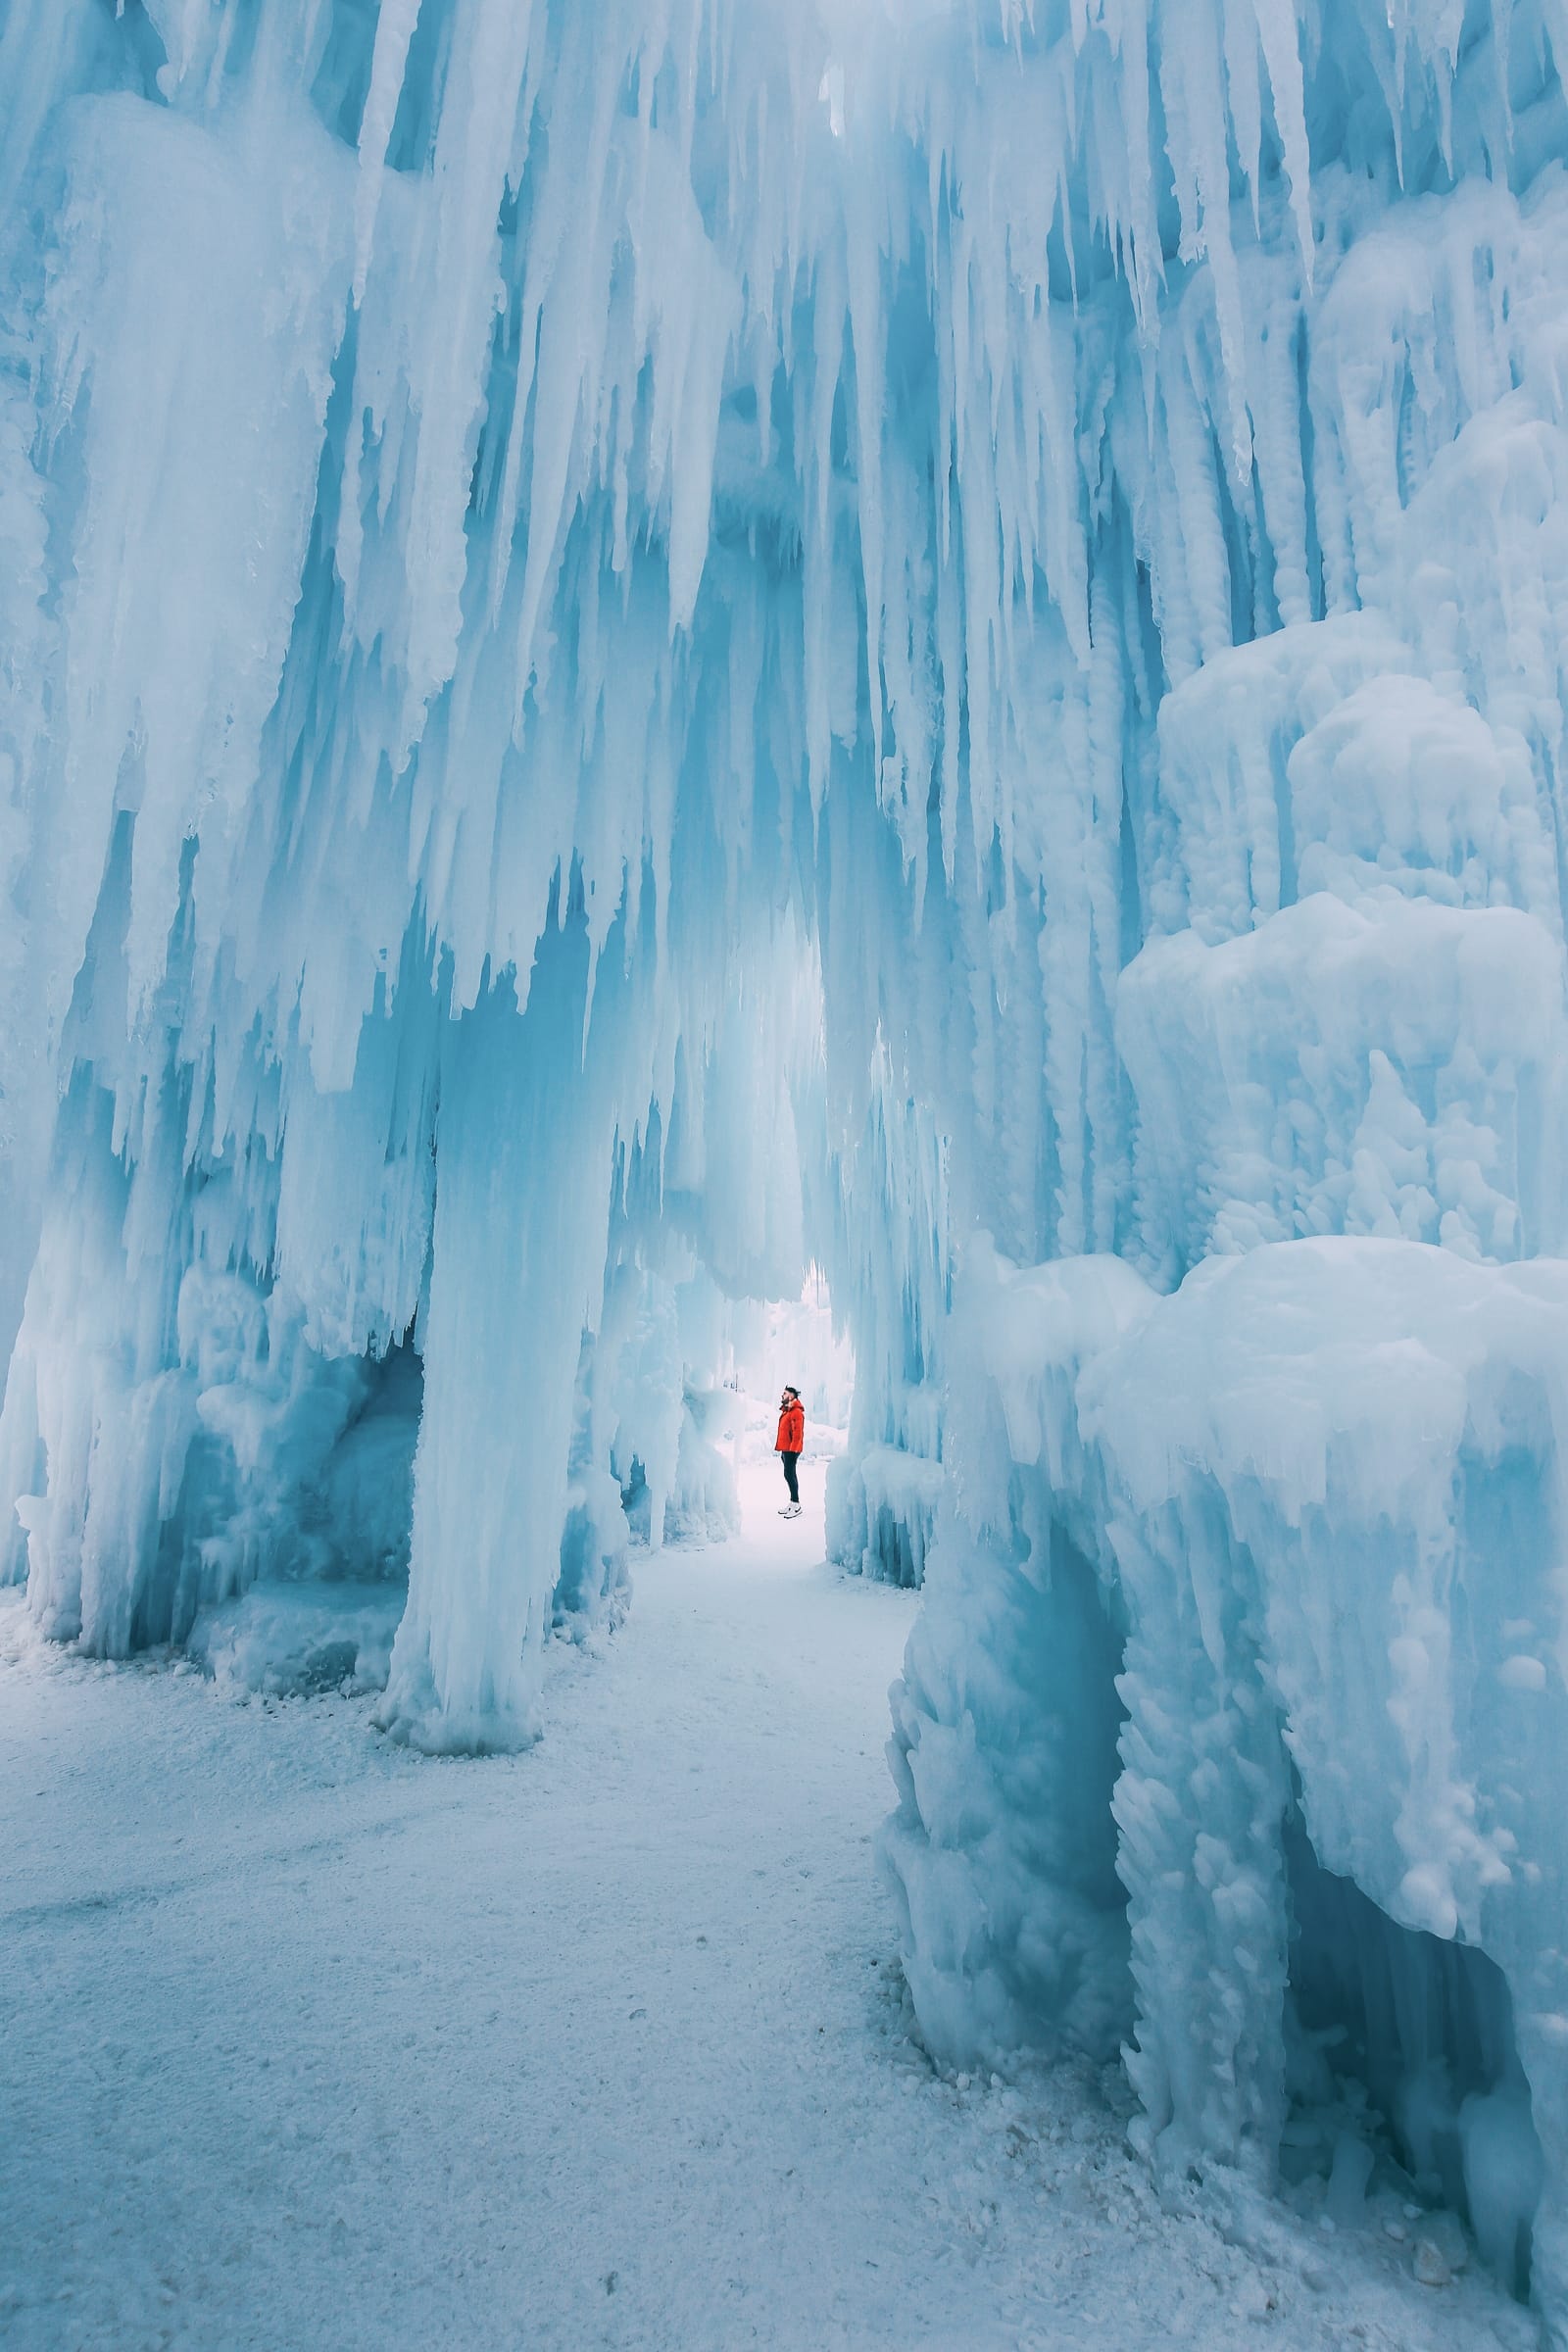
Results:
x,y
653,643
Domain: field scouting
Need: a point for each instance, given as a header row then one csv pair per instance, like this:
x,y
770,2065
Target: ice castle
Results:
x,y
642,643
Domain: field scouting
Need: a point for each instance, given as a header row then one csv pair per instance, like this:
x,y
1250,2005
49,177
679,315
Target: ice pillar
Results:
x,y
524,1142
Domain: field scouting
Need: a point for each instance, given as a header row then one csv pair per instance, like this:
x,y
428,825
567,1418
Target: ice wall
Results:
x,y
1325,1520
648,643
1250,1590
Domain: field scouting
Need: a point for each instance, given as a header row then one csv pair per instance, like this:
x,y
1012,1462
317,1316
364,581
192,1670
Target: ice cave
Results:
x,y
658,651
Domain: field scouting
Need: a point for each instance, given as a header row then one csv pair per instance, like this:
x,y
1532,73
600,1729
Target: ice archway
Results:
x,y
523,521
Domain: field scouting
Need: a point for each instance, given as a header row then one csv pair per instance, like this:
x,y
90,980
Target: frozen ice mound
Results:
x,y
1282,1557
1396,1066
882,1511
290,1640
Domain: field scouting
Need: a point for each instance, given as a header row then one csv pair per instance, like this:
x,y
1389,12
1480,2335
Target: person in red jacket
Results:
x,y
791,1443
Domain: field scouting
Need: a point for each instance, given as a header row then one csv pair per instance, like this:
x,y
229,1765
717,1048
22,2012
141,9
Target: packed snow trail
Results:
x,y
304,2041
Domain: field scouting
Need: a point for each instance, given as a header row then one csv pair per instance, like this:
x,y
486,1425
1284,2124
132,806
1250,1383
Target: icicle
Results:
x,y
394,31
1279,33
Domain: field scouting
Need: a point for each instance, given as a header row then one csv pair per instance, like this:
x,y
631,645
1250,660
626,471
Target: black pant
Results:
x,y
789,1462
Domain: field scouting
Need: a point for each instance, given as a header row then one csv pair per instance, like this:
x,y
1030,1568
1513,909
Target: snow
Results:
x,y
602,2044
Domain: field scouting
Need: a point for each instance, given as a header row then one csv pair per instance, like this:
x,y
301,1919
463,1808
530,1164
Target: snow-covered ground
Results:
x,y
306,2042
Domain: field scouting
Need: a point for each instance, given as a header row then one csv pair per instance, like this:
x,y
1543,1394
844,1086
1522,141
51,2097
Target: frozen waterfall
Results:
x,y
647,643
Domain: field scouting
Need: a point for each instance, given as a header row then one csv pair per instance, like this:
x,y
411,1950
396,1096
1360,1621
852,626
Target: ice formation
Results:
x,y
648,642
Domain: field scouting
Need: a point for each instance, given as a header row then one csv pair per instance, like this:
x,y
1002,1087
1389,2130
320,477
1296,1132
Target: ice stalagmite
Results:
x,y
647,643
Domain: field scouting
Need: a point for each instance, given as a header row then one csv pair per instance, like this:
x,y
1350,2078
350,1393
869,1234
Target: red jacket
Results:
x,y
791,1429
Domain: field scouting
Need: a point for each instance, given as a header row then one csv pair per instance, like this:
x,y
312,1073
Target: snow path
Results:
x,y
305,2042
